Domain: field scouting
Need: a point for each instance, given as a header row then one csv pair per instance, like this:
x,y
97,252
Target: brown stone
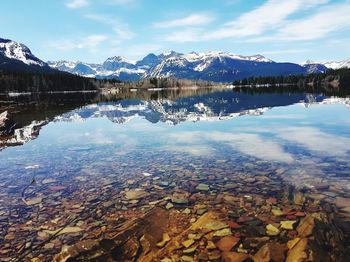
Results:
x,y
225,244
342,202
271,252
298,252
234,257
233,225
306,226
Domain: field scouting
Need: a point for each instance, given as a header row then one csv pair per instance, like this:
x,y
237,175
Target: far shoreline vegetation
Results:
x,y
333,77
57,81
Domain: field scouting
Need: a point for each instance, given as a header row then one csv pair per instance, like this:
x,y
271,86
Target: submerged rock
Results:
x,y
271,252
202,187
135,194
226,243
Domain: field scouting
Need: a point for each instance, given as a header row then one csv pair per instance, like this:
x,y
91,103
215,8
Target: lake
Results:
x,y
78,168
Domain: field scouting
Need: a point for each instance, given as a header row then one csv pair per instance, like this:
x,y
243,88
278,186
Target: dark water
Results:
x,y
80,147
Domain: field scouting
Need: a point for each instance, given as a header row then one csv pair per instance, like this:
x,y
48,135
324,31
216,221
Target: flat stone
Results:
x,y
298,252
186,211
201,211
222,232
215,255
169,206
180,198
135,194
288,224
187,259
306,226
190,250
293,242
164,241
234,257
271,252
342,202
271,230
202,187
226,243
233,225
211,245
188,243
48,181
33,201
277,212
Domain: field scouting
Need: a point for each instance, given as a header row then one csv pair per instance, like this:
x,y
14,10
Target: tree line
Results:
x,y
336,78
49,81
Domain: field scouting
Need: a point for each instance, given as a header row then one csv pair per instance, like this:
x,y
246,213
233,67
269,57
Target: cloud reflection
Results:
x,y
246,143
315,140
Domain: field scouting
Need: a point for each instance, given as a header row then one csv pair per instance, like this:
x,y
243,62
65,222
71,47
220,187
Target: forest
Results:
x,y
11,81
334,78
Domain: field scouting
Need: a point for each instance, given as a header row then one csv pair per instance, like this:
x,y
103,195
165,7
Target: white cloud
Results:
x,y
327,20
121,29
74,4
266,17
191,20
90,43
123,32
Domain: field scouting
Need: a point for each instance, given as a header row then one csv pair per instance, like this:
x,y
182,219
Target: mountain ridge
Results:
x,y
216,66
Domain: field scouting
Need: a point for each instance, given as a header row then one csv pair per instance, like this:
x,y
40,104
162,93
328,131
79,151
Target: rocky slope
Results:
x,y
212,66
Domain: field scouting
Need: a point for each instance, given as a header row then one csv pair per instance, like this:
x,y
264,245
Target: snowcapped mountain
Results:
x,y
339,64
314,67
16,51
213,66
328,65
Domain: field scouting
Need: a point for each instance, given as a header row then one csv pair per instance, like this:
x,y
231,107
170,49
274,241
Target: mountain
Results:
x,y
339,64
314,67
328,65
18,57
212,66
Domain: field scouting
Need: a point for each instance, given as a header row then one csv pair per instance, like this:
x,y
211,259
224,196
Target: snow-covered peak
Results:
x,y
220,54
120,59
339,64
169,53
331,64
62,63
308,62
18,51
259,58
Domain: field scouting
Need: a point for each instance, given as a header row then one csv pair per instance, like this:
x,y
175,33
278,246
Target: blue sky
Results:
x,y
92,30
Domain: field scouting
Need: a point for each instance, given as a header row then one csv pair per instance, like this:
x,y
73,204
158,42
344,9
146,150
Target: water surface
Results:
x,y
80,150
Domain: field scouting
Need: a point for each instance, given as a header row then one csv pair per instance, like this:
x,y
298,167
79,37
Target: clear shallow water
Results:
x,y
87,150
308,138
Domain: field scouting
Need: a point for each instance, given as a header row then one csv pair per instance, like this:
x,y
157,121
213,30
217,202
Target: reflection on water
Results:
x,y
283,128
97,143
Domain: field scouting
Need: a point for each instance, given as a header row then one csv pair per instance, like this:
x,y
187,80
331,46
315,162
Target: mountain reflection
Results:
x,y
28,114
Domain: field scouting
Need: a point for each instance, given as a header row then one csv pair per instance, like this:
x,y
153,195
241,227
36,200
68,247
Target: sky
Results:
x,y
93,30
